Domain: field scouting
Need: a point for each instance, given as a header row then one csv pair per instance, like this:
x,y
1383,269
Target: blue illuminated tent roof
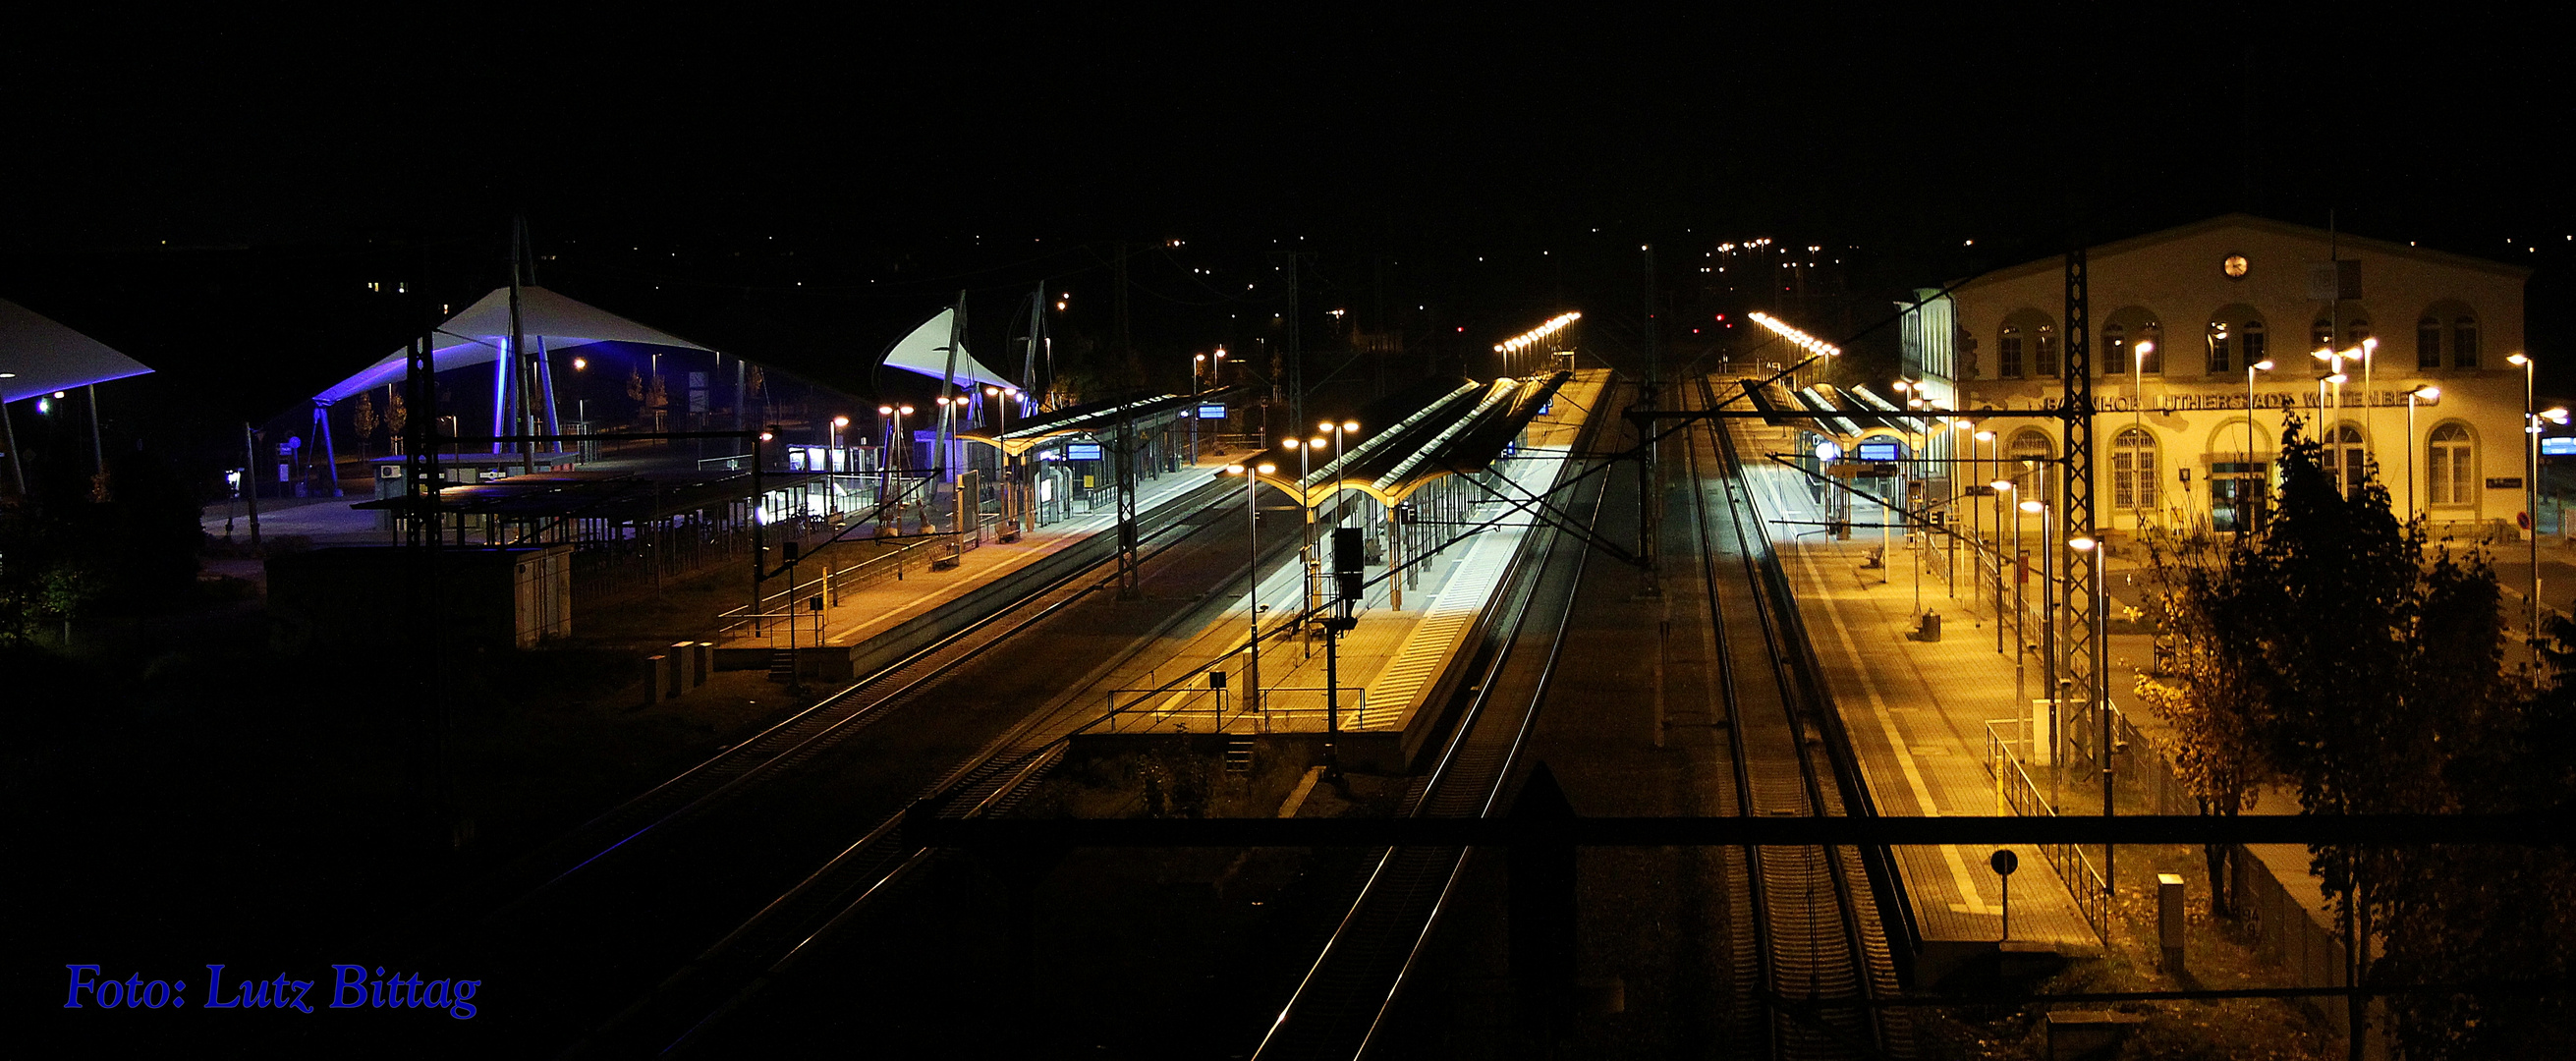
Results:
x,y
38,356
476,335
925,351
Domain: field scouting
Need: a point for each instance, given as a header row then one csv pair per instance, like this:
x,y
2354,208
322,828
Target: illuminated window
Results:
x,y
2347,460
2428,343
2464,342
2448,468
2133,470
2036,480
2235,338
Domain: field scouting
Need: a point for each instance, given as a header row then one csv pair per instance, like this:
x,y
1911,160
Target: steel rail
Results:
x,y
795,739
1349,979
1846,956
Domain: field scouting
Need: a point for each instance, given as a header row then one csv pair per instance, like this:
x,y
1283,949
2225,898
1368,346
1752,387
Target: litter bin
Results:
x,y
1930,630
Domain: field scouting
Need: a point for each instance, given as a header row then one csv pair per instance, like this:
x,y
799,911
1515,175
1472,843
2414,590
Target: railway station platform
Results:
x,y
1390,664
1918,713
921,576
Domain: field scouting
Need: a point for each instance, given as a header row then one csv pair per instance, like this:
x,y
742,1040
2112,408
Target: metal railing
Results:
x,y
2015,790
806,627
1284,709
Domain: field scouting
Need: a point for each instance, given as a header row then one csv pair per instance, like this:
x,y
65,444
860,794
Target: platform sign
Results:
x,y
1082,451
1880,451
1211,412
2558,447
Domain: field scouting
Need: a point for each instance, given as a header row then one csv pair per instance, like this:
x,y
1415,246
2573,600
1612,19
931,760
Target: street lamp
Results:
x,y
2099,607
1003,397
2428,392
1977,531
1252,648
2048,621
1306,543
2138,422
2531,500
1198,366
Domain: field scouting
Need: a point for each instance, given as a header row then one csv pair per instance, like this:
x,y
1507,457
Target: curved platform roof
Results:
x,y
1462,429
1143,408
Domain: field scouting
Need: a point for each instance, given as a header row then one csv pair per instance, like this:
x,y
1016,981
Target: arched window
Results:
x,y
2345,459
2428,343
2448,468
2047,350
2464,342
2321,335
2115,350
2008,364
2355,333
2257,345
2133,470
2036,480
2151,337
2235,338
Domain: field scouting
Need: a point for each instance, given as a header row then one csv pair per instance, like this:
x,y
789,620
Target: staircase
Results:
x,y
782,666
1238,754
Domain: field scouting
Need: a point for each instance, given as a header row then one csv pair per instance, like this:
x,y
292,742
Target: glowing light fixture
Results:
x,y
1804,341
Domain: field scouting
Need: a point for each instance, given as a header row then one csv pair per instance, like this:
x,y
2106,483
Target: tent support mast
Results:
x,y
9,435
330,454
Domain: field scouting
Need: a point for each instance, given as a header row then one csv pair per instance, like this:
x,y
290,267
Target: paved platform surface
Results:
x,y
1917,712
1387,662
869,610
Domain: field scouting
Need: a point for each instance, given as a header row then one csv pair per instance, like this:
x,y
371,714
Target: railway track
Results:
x,y
694,1004
1341,1006
1810,950
791,742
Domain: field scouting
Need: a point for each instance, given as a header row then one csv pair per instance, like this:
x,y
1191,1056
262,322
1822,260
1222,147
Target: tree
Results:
x,y
363,418
2330,651
2210,696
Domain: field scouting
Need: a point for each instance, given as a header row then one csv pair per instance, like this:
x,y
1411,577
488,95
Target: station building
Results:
x,y
2178,319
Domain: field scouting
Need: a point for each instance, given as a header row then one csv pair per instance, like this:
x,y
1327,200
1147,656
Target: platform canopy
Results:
x,y
477,335
39,356
925,351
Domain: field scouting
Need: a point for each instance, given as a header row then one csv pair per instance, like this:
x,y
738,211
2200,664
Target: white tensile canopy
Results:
x,y
925,351
39,356
477,335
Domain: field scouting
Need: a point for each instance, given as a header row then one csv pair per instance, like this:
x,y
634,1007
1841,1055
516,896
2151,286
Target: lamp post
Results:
x,y
1977,531
1306,526
2244,524
1002,399
1198,369
833,463
1252,647
2047,626
2531,499
2098,612
2138,422
2427,392
2369,425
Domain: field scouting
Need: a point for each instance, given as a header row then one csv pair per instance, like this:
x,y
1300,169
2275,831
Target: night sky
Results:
x,y
213,192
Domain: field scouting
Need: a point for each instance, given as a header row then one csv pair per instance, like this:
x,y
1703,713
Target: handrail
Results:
x,y
1138,707
2015,790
